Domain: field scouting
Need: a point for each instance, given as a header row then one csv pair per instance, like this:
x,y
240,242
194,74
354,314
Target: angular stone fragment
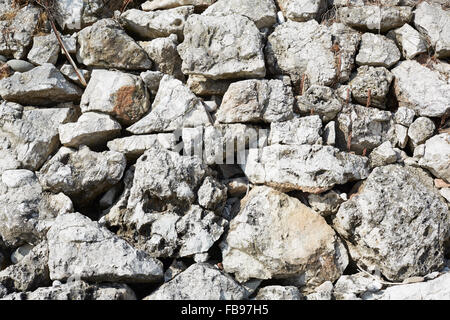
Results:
x,y
322,292
45,50
256,101
378,51
28,135
436,157
377,80
26,212
77,290
212,194
82,174
96,254
17,29
329,134
360,128
298,131
200,281
278,293
43,85
30,273
420,130
175,107
375,18
319,100
202,86
276,236
116,93
421,89
157,24
206,37
105,44
92,129
163,52
404,116
152,80
312,169
20,65
290,47
382,155
168,4
74,15
434,22
262,12
301,10
396,223
69,72
326,203
409,41
355,287
134,146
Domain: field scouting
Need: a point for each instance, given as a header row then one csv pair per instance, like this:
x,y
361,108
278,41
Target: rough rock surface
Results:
x,y
276,236
119,94
200,282
134,146
409,40
168,4
301,10
319,100
82,174
436,156
96,253
256,101
45,50
105,44
396,223
44,85
206,36
298,131
278,293
378,51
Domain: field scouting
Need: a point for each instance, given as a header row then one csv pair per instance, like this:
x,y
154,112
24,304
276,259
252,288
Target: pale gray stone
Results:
x,y
298,131
326,203
436,157
278,293
378,51
420,130
212,194
329,134
302,10
382,155
404,116
202,86
69,72
19,65
168,4
134,146
396,223
45,49
355,286
409,41
319,100
322,292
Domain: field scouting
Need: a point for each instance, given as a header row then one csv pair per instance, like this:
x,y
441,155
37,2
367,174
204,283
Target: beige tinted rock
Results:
x,y
256,101
375,18
134,146
116,93
421,89
43,85
82,174
382,155
157,24
378,51
396,223
203,48
409,41
326,203
105,44
175,107
301,10
262,12
258,245
434,23
319,100
92,129
206,87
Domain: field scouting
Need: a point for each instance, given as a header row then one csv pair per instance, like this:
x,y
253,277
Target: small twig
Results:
x,y
302,84
378,279
125,5
364,152
349,140
369,97
347,100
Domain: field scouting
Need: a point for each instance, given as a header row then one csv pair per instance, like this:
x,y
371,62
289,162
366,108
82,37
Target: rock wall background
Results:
x,y
114,177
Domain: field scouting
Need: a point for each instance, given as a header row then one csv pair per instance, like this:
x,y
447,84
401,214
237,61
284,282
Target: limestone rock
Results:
x,y
175,107
276,236
355,287
319,100
421,89
45,50
278,293
152,80
26,212
404,116
322,292
163,52
92,129
256,101
96,254
17,34
377,80
212,194
105,44
302,10
378,51
134,146
157,24
69,72
43,85
262,12
434,23
289,49
202,86
298,131
326,203
364,128
200,281
312,169
203,48
20,65
168,4
116,93
375,18
396,223
82,174
409,41
382,155
420,130
436,157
